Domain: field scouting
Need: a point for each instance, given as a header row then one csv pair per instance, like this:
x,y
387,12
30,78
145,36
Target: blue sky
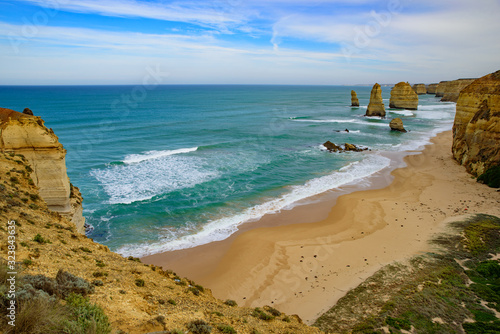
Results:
x,y
327,42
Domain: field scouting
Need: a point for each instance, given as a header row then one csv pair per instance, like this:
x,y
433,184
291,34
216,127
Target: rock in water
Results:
x,y
354,99
332,147
403,97
347,147
476,130
453,89
376,106
420,89
441,88
27,111
397,125
431,88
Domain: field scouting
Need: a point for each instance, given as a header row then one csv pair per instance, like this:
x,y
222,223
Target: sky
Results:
x,y
302,42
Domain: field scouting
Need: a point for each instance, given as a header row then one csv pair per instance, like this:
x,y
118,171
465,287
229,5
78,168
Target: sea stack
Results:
x,y
397,125
403,97
453,89
28,137
420,89
476,130
431,88
354,99
376,106
441,88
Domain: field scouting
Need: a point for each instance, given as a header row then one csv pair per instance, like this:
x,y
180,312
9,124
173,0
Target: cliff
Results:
x,y
403,97
476,129
136,298
420,89
26,135
376,106
441,88
453,89
354,99
431,88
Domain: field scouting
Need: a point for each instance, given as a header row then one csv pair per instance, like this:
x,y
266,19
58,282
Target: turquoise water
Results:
x,y
171,167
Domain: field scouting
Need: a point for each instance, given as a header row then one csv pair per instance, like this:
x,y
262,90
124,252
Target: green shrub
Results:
x,y
195,291
90,318
491,177
85,249
27,262
38,238
259,313
231,302
199,327
140,282
226,329
273,311
172,302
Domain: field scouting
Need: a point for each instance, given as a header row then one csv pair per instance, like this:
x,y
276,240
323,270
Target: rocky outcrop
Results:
x,y
354,99
420,89
453,89
343,148
476,130
376,106
27,111
403,97
397,125
431,88
26,135
441,88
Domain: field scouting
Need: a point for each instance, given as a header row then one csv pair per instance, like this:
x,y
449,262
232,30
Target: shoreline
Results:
x,y
304,259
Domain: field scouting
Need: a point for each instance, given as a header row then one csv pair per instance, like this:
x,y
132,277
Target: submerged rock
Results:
x,y
354,99
403,97
397,125
376,106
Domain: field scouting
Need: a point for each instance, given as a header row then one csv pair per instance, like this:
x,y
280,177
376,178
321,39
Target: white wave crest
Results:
x,y
135,158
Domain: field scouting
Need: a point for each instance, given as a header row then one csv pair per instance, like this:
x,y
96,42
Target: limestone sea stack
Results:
x,y
27,135
420,89
431,88
441,88
476,130
376,106
397,125
403,97
354,99
453,89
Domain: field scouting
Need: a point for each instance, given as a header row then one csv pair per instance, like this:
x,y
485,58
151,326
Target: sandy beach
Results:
x,y
301,261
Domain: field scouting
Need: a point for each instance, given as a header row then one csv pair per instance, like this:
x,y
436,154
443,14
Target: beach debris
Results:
x,y
354,99
376,106
343,148
397,125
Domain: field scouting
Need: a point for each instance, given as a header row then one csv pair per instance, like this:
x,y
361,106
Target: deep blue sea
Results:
x,y
171,167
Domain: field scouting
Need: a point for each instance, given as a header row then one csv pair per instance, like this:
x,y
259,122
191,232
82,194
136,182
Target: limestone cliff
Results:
x,y
403,97
453,89
397,125
354,99
476,130
420,89
26,135
441,88
431,88
376,106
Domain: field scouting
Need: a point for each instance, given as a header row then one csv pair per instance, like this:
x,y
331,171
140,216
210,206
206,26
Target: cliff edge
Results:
x,y
476,129
27,135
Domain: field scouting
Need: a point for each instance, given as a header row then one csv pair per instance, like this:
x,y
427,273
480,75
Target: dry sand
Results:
x,y
322,250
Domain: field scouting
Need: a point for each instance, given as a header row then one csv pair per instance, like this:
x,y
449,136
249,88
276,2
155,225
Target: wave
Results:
x,y
136,158
326,120
222,228
403,112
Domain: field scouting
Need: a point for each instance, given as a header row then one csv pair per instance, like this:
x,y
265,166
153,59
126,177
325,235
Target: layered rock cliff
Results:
x,y
354,99
376,106
26,135
476,130
441,88
420,89
403,97
431,88
453,89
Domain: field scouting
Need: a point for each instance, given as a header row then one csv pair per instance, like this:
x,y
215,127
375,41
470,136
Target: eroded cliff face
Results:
x,y
476,130
376,106
441,88
420,89
403,97
26,135
431,88
453,89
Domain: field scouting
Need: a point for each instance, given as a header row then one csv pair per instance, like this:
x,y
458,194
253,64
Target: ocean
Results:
x,y
176,166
